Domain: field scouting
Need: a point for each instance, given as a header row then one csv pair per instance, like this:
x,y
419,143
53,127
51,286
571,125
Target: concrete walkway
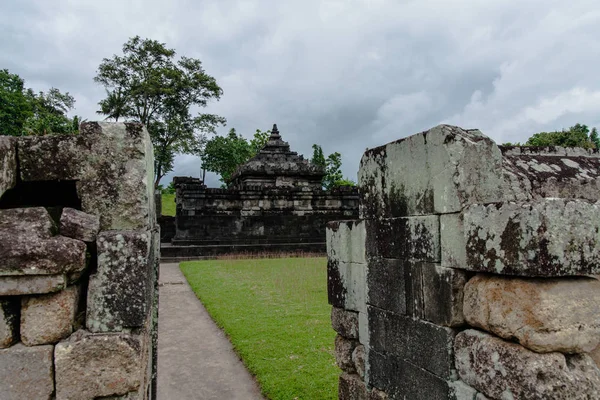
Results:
x,y
195,359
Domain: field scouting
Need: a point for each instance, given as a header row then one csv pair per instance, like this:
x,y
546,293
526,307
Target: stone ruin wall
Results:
x,y
470,273
269,218
78,265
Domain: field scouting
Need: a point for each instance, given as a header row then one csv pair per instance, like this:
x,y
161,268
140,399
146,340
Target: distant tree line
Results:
x,y
579,135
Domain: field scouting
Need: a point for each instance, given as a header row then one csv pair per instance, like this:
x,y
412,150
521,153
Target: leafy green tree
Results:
x,y
223,154
595,138
146,84
332,166
23,112
15,106
575,136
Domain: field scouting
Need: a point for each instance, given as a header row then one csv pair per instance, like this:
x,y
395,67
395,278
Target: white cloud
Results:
x,y
347,74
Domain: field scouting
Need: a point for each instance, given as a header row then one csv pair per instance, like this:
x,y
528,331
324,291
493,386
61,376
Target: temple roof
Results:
x,y
276,159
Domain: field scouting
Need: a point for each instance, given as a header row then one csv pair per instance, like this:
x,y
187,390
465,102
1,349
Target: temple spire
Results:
x,y
274,133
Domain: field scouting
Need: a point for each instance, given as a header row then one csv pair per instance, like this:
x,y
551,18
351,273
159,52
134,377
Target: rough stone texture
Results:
x,y
557,172
27,284
346,241
351,387
461,391
386,284
435,293
346,285
507,370
421,343
412,238
26,373
544,315
48,318
527,239
437,171
401,379
358,358
90,366
112,164
343,353
345,322
9,322
79,225
595,354
376,394
8,163
33,221
119,292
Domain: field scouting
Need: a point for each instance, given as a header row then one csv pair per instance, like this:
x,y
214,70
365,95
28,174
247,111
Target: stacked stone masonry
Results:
x,y
78,271
471,273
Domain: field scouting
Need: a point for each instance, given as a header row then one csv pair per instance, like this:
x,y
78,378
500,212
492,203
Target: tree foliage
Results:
x,y
579,135
223,154
147,84
24,112
332,166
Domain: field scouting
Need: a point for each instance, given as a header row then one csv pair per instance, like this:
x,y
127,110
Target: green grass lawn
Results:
x,y
168,204
276,314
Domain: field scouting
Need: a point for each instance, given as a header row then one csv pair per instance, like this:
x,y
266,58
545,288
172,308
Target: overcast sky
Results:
x,y
346,74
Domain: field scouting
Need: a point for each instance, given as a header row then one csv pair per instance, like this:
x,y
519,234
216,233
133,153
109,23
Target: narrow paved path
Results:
x,y
195,359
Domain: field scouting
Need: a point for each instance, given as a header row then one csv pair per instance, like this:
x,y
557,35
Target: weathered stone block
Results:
x,y
343,353
345,322
22,255
544,315
119,292
424,344
27,222
461,391
442,294
112,164
552,172
79,225
346,241
549,237
386,284
401,379
8,163
433,172
351,387
346,285
90,366
26,372
31,284
412,238
9,322
376,394
501,369
358,358
48,318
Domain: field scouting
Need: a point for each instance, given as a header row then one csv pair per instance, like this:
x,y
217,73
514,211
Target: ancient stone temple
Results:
x,y
274,203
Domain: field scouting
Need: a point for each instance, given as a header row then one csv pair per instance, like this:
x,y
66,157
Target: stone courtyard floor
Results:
x,y
195,359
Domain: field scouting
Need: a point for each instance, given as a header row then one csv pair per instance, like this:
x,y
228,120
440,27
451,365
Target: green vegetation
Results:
x,y
146,84
276,314
579,135
168,204
332,166
223,154
24,112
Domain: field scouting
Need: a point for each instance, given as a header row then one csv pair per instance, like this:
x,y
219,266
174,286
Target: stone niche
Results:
x,y
79,257
275,203
471,273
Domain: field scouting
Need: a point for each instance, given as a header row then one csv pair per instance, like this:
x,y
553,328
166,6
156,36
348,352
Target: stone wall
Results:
x,y
255,219
470,273
79,265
